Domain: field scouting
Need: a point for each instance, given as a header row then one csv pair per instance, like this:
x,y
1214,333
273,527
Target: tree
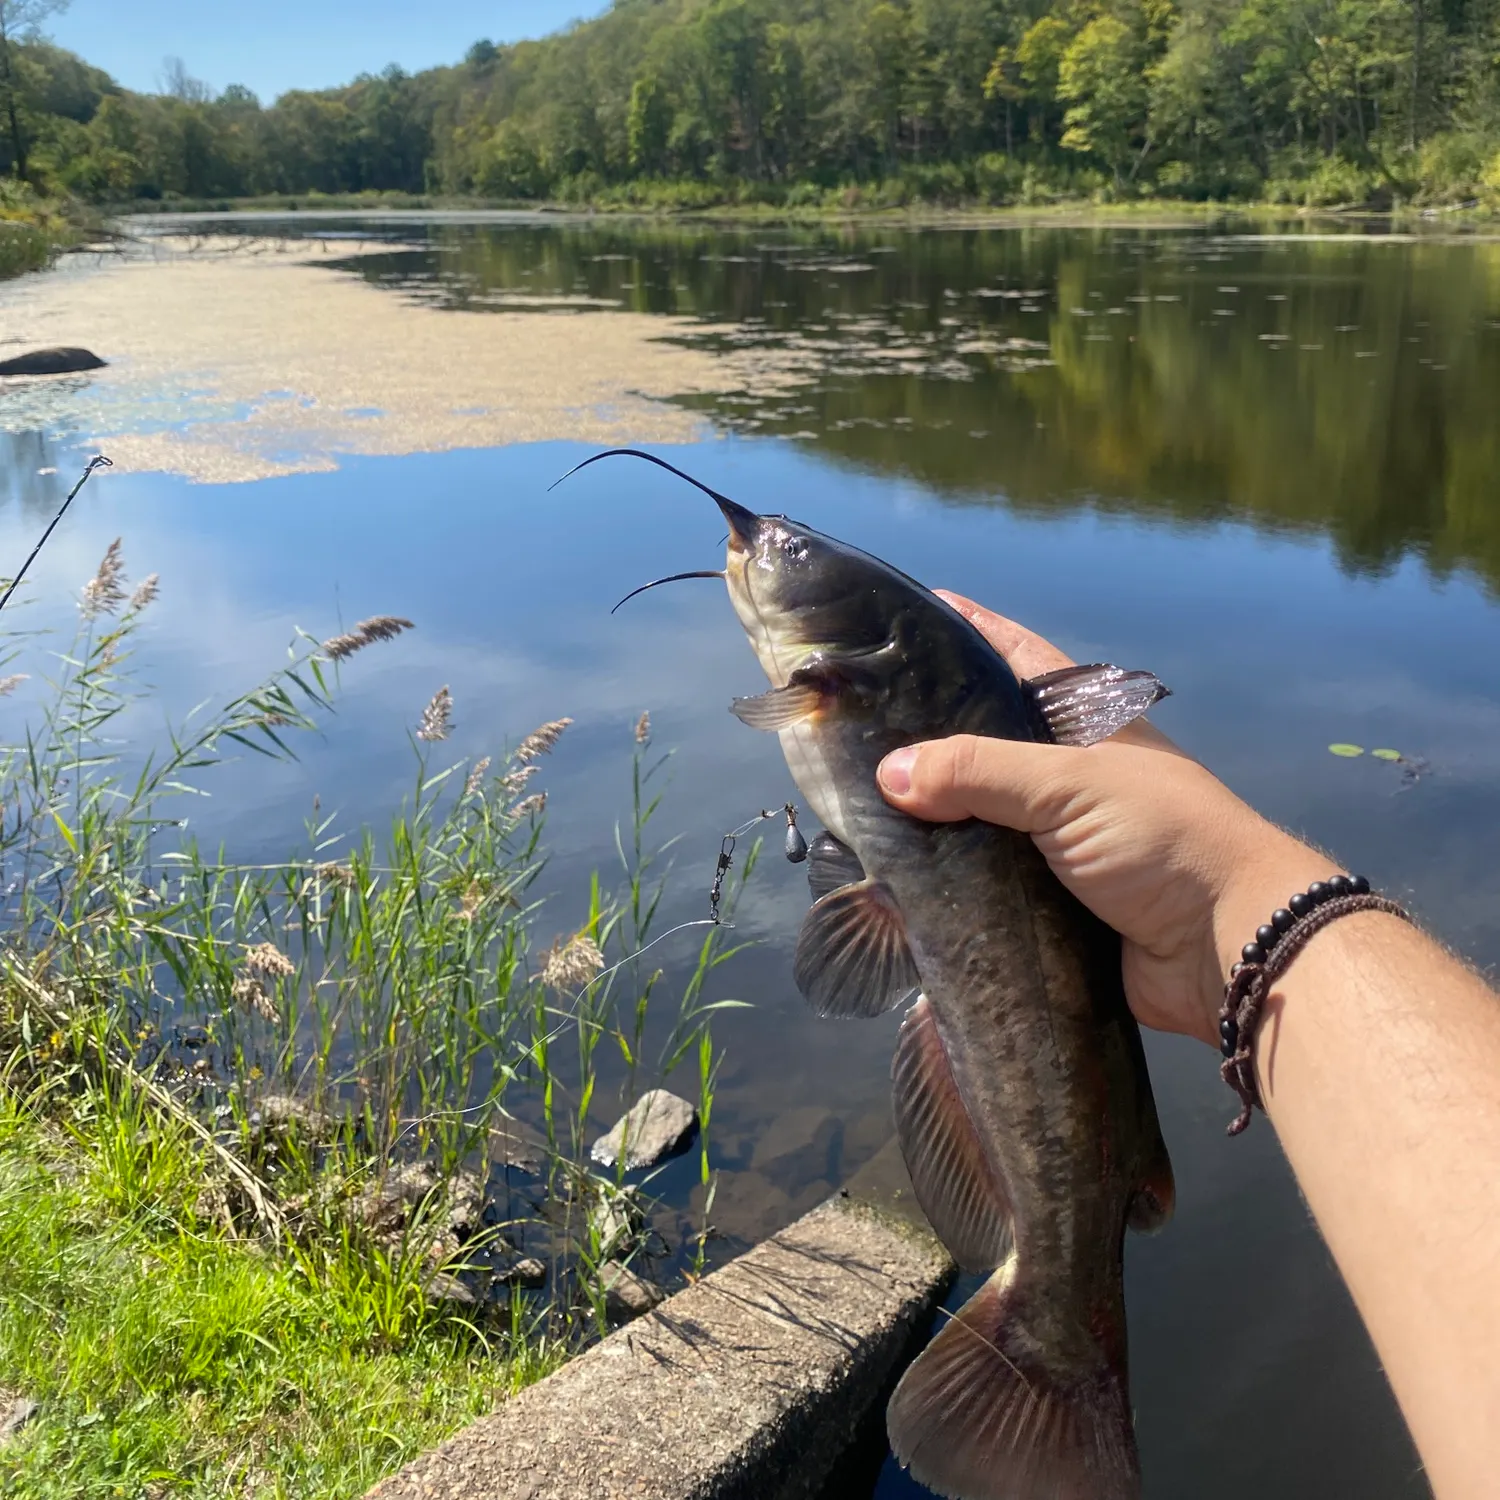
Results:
x,y
1102,80
178,83
20,21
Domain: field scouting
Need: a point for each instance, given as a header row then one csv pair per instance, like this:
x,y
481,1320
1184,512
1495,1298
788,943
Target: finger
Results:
x,y
1011,782
1028,654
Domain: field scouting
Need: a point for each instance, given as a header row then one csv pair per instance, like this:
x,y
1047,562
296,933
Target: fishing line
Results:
x,y
98,461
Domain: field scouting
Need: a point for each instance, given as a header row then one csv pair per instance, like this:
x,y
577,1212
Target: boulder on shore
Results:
x,y
51,362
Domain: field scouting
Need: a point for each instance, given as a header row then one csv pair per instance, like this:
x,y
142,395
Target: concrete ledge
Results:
x,y
750,1383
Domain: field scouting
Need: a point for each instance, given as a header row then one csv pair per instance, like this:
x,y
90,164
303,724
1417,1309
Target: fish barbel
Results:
x,y
1021,1097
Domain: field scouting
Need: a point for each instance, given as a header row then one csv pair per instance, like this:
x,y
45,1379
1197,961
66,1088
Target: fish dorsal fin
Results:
x,y
831,864
957,1186
852,958
1083,705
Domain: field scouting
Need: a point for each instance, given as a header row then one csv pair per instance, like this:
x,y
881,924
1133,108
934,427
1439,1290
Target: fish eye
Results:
x,y
794,547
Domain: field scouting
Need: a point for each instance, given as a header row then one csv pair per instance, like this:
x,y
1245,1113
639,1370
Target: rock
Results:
x,y
799,1147
15,1412
515,1144
456,1208
627,1295
527,1271
277,1117
657,1126
446,1288
615,1219
51,362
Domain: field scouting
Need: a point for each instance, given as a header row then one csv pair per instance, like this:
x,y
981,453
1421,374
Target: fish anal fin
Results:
x,y
958,1188
992,1408
1083,705
779,708
852,958
831,864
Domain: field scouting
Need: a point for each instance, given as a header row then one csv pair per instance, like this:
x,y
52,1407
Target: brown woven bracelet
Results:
x,y
1264,962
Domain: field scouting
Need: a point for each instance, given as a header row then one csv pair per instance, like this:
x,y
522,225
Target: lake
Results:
x,y
1263,466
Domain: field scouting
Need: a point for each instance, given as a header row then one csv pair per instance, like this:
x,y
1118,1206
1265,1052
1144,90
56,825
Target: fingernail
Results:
x,y
895,770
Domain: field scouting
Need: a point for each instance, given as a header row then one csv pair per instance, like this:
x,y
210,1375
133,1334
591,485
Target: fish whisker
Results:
x,y
672,578
650,458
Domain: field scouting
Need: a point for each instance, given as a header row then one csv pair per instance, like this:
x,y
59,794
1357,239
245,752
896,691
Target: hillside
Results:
x,y
816,101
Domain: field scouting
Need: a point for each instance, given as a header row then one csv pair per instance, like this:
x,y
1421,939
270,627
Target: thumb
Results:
x,y
1015,783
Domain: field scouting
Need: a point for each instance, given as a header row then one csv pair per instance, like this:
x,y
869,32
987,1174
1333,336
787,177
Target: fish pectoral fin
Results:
x,y
804,694
953,1178
831,864
852,958
995,1406
1083,705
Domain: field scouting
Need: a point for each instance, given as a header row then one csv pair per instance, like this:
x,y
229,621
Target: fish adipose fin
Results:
x,y
852,958
958,1188
782,707
1083,705
831,864
991,1410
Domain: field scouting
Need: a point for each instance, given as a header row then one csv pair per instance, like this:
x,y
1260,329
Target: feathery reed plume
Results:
x,y
571,962
437,717
476,776
145,592
250,994
267,958
8,685
535,803
541,740
334,873
105,591
366,633
643,728
513,783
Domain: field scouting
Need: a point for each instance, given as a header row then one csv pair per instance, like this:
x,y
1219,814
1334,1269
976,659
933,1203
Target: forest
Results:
x,y
811,103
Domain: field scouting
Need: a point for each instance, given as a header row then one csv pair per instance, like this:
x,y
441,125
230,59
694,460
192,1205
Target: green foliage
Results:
x,y
1306,101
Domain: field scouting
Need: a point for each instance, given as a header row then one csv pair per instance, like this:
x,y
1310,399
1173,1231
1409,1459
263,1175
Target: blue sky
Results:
x,y
275,45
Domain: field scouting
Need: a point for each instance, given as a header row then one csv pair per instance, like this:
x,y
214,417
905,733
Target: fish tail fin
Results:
x,y
988,1412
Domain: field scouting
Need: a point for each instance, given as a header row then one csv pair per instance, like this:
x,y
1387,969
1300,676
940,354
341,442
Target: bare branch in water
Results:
x,y
437,717
99,461
366,633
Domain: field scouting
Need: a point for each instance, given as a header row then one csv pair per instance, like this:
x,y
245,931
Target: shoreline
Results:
x,y
1147,213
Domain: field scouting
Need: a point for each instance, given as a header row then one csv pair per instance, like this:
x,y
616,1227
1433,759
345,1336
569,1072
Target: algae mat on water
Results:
x,y
236,359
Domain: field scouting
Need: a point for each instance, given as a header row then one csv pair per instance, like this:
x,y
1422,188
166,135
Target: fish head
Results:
x,y
799,593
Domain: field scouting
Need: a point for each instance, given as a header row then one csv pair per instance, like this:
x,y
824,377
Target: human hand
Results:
x,y
1142,834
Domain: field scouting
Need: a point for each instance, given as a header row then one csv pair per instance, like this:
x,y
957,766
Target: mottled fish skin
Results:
x,y
1023,990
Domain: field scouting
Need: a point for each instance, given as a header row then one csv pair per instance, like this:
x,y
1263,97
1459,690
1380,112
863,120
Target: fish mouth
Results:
x,y
742,524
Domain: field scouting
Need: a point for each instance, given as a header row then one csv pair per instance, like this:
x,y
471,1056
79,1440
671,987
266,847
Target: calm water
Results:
x,y
1265,469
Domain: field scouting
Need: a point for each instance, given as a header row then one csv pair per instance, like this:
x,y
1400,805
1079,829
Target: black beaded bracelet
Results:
x,y
1263,962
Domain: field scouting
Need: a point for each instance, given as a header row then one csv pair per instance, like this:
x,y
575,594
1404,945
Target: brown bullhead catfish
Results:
x,y
1021,1097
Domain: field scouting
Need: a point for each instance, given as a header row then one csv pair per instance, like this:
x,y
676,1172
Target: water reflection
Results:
x,y
1342,384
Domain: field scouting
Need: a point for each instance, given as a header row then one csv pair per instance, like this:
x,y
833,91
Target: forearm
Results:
x,y
1377,1062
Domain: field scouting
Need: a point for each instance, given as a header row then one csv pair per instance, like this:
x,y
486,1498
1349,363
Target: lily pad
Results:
x,y
1347,751
1387,754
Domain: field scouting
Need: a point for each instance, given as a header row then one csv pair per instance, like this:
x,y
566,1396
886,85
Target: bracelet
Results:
x,y
1263,962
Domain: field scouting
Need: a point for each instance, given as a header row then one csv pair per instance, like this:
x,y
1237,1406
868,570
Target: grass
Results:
x,y
35,230
205,1305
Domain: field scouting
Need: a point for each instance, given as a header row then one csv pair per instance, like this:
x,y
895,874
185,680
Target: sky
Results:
x,y
275,45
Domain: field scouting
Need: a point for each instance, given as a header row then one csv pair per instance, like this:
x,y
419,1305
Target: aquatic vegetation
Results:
x,y
294,1091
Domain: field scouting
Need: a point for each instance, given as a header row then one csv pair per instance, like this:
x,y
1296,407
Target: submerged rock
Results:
x,y
627,1295
51,362
15,1412
513,1143
276,1117
615,1219
657,1126
526,1271
446,1288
